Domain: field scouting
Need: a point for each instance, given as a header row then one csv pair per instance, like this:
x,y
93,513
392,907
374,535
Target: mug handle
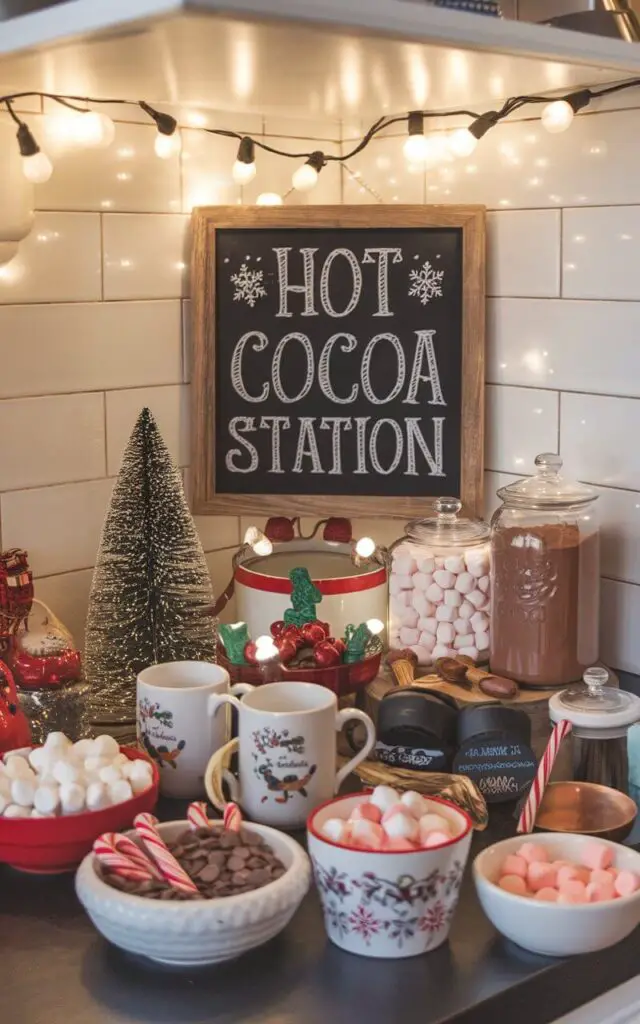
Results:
x,y
342,717
215,702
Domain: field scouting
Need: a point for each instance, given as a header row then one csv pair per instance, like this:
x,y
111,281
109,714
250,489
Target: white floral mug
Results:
x,y
287,750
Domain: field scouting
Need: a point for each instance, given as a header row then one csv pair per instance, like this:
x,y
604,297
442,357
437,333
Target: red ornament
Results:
x,y
326,655
313,632
15,731
279,529
337,530
292,633
337,643
287,649
278,627
250,652
37,672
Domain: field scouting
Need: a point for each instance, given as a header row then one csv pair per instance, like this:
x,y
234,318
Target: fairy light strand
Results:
x,y
95,129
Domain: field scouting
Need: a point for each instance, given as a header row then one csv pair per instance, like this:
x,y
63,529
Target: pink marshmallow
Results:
x,y
533,852
514,884
452,598
597,855
626,883
399,845
461,626
422,580
479,622
463,639
431,839
547,895
466,610
444,578
401,825
469,652
444,613
454,563
597,892
423,654
420,603
435,593
432,822
483,584
367,835
573,873
477,599
404,565
514,865
446,633
408,617
541,875
482,641
465,583
573,887
400,602
366,812
395,587
428,625
427,640
404,580
409,637
477,563
599,877
440,651
426,565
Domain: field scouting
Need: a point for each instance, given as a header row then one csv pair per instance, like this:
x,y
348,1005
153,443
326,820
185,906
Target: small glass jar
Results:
x,y
439,586
545,579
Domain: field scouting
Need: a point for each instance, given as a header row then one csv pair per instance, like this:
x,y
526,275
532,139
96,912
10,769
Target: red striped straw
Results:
x,y
109,857
532,804
170,869
197,815
232,817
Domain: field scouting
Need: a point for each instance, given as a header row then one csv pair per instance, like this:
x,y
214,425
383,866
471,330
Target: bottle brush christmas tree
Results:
x,y
151,587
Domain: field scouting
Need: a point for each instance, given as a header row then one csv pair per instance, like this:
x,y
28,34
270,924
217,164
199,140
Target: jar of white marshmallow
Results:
x,y
439,588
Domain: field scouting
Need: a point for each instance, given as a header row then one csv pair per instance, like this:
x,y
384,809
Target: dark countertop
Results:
x,y
56,969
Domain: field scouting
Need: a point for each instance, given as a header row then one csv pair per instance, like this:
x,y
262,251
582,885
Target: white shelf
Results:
x,y
333,58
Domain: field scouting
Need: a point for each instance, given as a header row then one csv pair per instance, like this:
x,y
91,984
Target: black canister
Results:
x,y
494,751
416,729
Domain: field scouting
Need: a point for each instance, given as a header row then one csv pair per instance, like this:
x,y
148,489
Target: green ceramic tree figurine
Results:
x,y
356,640
234,639
305,596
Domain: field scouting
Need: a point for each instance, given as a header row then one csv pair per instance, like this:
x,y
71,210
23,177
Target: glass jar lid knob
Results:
x,y
447,509
596,680
548,464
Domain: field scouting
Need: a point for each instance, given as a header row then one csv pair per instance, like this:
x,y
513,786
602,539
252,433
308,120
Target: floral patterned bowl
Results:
x,y
387,904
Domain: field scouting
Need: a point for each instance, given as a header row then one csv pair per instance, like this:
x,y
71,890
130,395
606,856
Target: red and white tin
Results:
x,y
350,593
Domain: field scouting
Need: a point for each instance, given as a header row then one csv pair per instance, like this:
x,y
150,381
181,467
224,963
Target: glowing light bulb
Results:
x,y
252,534
375,626
416,148
242,173
269,199
37,168
557,116
263,546
304,178
462,142
167,146
265,648
365,547
94,130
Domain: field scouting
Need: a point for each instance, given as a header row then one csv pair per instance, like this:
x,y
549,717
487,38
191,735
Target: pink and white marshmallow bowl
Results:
x,y
387,904
555,929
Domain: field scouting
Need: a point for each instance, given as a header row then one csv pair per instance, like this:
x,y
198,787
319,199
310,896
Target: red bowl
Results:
x,y
49,845
340,679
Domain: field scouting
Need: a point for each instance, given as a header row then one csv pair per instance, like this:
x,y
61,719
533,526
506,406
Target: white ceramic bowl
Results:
x,y
198,932
387,904
550,928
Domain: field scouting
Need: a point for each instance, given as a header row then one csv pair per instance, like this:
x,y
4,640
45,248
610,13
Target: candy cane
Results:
x,y
129,849
232,817
106,852
197,815
530,810
170,869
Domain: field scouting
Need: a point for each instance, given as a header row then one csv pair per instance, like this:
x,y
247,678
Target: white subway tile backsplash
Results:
x,y
619,618
274,174
383,168
68,597
221,571
146,256
520,424
170,407
51,440
58,262
619,513
598,439
302,128
46,349
601,251
206,170
563,344
59,526
523,253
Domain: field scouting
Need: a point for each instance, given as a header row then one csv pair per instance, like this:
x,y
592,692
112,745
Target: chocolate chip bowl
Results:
x,y
241,903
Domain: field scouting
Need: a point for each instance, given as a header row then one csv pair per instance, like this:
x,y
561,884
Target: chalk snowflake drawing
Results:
x,y
426,284
248,285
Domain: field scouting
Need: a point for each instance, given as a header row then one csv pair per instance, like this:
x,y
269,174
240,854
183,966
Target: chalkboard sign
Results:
x,y
338,359
501,768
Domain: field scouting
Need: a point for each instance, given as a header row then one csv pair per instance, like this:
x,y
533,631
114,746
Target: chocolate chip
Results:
x,y
243,852
240,877
209,873
229,839
235,863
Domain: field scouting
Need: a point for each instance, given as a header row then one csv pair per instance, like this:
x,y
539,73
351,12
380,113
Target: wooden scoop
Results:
x,y
464,672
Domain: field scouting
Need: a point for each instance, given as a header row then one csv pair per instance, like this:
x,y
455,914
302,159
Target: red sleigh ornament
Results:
x,y
16,593
14,727
43,655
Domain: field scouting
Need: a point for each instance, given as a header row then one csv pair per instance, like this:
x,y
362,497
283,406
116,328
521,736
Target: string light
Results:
x,y
269,199
94,129
365,547
557,116
168,141
375,626
257,541
306,177
416,149
244,169
462,142
266,649
36,165
167,146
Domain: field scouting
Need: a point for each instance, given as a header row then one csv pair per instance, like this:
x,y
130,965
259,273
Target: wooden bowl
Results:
x,y
587,809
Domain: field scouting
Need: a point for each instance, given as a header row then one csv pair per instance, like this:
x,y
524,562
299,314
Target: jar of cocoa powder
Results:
x,y
439,586
545,578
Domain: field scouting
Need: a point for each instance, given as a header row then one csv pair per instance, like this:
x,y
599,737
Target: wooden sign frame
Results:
x,y
206,221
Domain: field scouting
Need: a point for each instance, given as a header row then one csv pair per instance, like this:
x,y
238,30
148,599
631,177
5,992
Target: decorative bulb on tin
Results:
x,y
244,169
306,177
365,547
260,544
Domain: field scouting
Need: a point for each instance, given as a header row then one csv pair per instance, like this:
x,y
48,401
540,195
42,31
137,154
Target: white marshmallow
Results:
x,y
452,598
444,578
401,826
420,603
426,565
483,584
120,791
428,625
367,834
433,823
439,560
18,752
465,583
461,626
466,610
409,636
404,565
38,758
337,830
5,786
57,740
140,769
394,586
83,748
454,563
445,614
409,617
470,652
440,651
384,797
477,564
402,550
112,773
123,759
464,640
72,797
404,580
125,770
4,802
414,802
479,622
46,799
98,796
435,593
38,814
65,771
446,633
22,792
399,602
482,641
477,599
422,580
427,641
94,763
16,811
422,654
139,783
18,768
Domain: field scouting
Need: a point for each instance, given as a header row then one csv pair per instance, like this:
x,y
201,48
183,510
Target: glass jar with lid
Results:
x,y
439,586
545,578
